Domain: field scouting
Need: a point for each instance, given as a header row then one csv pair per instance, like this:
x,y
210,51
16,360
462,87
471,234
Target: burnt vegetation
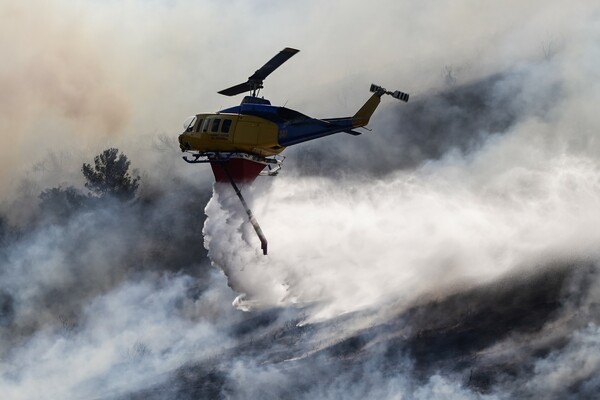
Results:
x,y
489,338
455,336
102,236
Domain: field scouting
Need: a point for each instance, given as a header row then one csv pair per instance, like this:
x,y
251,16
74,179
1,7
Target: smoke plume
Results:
x,y
450,253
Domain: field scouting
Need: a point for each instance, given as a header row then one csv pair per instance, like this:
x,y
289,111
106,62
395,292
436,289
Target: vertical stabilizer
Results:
x,y
362,117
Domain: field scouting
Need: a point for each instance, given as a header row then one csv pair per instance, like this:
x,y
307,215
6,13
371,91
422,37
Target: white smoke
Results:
x,y
125,340
526,197
105,74
355,244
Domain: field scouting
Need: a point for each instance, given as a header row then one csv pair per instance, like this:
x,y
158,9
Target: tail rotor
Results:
x,y
396,94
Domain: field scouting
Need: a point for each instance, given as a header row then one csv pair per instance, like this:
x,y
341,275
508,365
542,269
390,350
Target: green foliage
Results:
x,y
110,176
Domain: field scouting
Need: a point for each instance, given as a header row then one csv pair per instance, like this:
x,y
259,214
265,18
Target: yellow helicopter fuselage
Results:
x,y
243,142
224,132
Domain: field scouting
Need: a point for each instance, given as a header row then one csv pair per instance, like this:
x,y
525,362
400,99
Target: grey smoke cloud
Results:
x,y
490,171
507,201
81,77
125,339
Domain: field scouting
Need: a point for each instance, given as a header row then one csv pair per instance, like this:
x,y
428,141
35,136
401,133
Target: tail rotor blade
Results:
x,y
400,96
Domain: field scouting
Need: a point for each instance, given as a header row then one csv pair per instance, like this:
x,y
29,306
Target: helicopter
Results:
x,y
245,141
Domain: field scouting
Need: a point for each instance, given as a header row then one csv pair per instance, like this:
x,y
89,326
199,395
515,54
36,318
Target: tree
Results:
x,y
59,203
110,176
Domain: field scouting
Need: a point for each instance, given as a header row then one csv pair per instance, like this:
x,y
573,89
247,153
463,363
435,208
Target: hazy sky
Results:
x,y
83,75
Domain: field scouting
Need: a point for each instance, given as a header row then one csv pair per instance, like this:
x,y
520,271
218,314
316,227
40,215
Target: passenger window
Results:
x,y
206,125
226,125
215,125
199,125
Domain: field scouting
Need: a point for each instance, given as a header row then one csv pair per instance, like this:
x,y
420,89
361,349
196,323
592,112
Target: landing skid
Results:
x,y
274,163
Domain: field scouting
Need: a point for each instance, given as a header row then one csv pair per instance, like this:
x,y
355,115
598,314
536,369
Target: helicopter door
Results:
x,y
246,132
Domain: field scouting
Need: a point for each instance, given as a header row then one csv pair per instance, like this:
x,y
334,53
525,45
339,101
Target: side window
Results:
x,y
226,125
206,124
199,125
215,125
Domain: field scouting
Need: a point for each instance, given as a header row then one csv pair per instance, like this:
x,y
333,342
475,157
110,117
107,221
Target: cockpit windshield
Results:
x,y
188,125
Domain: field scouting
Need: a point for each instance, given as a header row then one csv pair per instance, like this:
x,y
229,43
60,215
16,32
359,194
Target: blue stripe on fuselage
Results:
x,y
311,129
294,127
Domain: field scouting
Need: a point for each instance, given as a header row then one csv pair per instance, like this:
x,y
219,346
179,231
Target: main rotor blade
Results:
x,y
273,64
237,89
255,81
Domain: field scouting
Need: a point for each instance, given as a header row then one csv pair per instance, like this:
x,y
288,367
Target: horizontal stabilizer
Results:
x,y
355,133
